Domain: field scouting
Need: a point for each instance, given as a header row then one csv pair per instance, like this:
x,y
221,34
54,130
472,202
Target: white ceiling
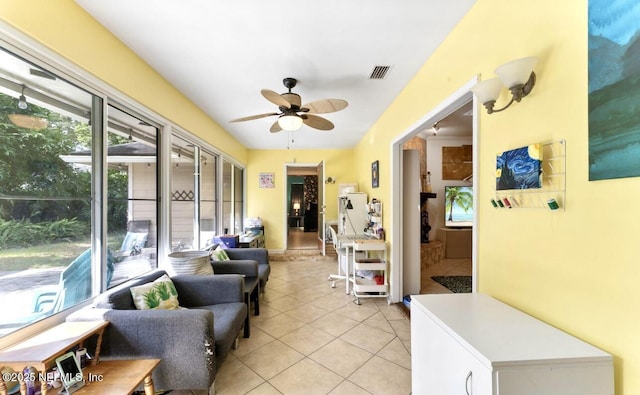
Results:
x,y
221,54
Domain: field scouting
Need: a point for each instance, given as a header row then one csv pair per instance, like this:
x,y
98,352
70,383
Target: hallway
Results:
x,y
298,239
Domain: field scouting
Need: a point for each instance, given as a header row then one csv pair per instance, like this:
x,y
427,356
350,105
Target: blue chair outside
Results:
x,y
74,285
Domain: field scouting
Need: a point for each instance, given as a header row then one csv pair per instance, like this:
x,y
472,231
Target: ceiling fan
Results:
x,y
292,115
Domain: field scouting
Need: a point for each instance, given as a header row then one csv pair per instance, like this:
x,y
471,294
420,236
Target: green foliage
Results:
x,y
23,233
32,170
118,204
38,187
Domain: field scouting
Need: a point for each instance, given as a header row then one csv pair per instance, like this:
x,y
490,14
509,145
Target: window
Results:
x,y
60,244
132,196
208,201
193,195
233,198
45,196
183,194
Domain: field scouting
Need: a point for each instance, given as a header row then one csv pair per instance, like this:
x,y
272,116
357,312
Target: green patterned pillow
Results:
x,y
219,254
160,294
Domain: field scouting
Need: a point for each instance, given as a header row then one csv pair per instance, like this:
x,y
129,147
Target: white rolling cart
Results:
x,y
342,251
370,257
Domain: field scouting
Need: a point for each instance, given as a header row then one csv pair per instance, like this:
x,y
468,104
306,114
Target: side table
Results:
x,y
42,350
254,241
118,377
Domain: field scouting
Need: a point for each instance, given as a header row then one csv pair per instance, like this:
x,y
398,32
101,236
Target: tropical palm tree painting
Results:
x,y
458,206
614,89
519,168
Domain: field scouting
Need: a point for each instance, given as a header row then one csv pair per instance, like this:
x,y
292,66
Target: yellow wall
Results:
x,y
269,204
68,30
576,269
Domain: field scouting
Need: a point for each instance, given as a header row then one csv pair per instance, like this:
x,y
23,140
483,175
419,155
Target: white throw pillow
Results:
x,y
219,254
160,294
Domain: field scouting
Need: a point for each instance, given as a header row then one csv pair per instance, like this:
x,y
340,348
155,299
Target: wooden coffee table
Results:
x,y
117,377
102,377
41,351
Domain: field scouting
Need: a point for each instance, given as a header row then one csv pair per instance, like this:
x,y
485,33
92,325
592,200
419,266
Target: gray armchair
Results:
x,y
238,255
253,264
191,343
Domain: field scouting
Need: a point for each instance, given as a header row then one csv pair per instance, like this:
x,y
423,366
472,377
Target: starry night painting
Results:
x,y
614,89
519,168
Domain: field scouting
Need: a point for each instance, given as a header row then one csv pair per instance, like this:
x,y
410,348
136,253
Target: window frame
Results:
x,y
104,95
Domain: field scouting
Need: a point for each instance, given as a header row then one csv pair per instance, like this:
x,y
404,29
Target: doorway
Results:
x,y
428,124
302,202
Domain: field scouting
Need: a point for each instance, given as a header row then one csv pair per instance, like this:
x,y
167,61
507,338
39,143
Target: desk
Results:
x,y
42,350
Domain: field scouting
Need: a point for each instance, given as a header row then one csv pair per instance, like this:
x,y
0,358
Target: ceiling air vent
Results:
x,y
379,72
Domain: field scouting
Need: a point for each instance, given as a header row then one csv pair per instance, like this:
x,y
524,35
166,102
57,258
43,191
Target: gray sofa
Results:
x,y
214,315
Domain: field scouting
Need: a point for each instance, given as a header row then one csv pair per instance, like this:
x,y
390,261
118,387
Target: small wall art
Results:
x,y
519,168
266,180
375,174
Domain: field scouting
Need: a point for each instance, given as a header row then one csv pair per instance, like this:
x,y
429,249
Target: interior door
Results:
x,y
321,208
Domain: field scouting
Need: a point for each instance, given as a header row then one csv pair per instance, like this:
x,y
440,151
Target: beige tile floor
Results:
x,y
446,267
312,339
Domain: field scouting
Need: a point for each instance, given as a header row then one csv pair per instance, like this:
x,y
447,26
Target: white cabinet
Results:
x,y
476,345
370,277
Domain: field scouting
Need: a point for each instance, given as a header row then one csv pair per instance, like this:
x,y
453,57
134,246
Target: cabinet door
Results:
x,y
441,365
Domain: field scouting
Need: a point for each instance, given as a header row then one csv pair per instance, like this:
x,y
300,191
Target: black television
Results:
x,y
458,212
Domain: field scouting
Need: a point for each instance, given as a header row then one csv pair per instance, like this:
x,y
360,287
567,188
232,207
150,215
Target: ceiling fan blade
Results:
x,y
252,117
317,122
275,128
326,106
275,98
293,98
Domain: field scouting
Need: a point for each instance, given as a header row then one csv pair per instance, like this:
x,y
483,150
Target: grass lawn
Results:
x,y
58,254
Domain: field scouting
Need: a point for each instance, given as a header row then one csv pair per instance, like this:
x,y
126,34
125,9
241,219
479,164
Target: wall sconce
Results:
x,y
516,75
330,180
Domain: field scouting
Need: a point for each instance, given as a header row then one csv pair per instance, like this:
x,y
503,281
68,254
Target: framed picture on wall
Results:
x,y
265,180
375,174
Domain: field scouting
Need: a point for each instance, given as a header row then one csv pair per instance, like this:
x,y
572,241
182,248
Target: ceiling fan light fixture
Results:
x,y
290,122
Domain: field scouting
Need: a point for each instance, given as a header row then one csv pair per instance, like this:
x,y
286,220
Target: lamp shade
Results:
x,y
516,72
487,90
296,206
290,122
